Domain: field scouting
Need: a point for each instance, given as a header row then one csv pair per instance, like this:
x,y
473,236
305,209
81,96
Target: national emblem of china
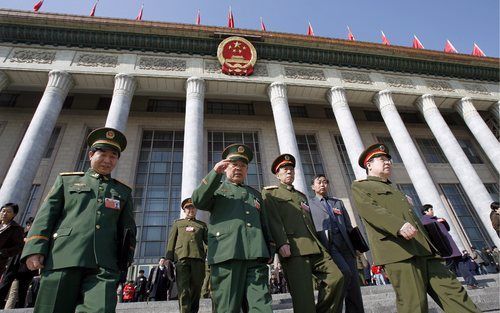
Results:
x,y
237,56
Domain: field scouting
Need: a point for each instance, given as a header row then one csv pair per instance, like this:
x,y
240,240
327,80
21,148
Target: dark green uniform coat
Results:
x,y
412,266
290,222
80,225
186,247
237,244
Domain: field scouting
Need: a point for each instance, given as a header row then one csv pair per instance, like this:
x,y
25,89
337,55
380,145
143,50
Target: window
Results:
x,y
410,191
52,142
230,108
30,206
298,111
311,159
68,102
464,211
217,141
8,99
157,191
329,113
453,119
393,151
83,163
172,106
104,103
470,151
347,171
411,117
491,122
373,116
493,191
431,150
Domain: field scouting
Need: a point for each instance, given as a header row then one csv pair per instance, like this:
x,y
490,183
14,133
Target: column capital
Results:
x,y
60,80
464,107
125,82
195,85
277,90
336,96
495,110
4,80
425,103
383,99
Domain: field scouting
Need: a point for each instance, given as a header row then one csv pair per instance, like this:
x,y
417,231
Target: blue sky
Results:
x,y
433,21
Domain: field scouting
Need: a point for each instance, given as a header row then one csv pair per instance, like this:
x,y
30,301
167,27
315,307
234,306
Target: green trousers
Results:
x,y
299,273
77,289
190,274
414,278
238,283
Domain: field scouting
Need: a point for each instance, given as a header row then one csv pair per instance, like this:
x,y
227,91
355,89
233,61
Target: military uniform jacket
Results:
x,y
290,220
236,227
187,239
81,222
384,209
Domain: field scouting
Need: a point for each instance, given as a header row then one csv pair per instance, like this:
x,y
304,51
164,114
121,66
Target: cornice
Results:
x,y
108,33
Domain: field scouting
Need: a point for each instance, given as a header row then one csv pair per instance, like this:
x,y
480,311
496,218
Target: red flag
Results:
x,y
230,19
37,6
198,18
262,25
417,44
139,16
350,35
449,48
310,31
92,12
385,41
477,51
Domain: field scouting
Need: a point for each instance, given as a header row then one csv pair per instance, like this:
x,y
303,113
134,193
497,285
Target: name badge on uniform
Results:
x,y
190,229
304,206
112,203
256,204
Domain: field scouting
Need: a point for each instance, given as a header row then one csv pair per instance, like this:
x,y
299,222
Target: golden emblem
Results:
x,y
110,134
241,149
237,56
287,158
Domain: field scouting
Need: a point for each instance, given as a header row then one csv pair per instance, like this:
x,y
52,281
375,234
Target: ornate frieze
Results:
x,y
215,68
399,82
475,88
260,70
439,85
162,64
33,56
304,73
97,60
212,67
356,78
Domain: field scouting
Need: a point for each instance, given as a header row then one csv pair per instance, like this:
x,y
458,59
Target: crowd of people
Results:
x,y
231,259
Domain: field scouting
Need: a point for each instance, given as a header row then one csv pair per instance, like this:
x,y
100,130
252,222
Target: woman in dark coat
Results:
x,y
11,234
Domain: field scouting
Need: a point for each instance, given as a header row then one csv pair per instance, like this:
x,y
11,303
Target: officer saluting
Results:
x,y
399,242
186,247
77,235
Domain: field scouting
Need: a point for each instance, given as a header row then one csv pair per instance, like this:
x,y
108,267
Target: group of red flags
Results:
x,y
416,44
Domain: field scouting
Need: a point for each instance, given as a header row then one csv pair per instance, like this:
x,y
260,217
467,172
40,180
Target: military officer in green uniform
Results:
x,y
186,247
400,243
238,247
78,233
300,251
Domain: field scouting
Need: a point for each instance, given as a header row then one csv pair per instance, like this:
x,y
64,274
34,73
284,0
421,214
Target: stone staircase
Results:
x,y
376,299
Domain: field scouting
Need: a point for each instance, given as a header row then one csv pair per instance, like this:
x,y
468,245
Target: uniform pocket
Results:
x,y
62,232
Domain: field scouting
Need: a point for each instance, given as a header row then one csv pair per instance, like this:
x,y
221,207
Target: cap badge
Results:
x,y
110,134
382,148
241,149
287,158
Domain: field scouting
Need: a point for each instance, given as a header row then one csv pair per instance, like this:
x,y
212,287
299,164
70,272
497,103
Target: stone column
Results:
x,y
4,81
480,130
472,184
415,166
495,110
347,126
120,104
192,165
17,183
285,131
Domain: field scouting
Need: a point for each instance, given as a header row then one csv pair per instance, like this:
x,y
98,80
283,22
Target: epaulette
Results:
x,y
118,181
360,180
270,187
71,173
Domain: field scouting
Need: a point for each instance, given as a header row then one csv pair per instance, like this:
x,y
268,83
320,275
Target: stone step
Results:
x,y
376,299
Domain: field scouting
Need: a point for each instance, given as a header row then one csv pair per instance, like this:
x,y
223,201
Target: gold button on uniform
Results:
x,y
247,212
99,200
217,234
54,235
249,225
98,226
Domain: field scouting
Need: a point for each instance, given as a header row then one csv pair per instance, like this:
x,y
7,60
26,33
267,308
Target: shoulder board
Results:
x,y
120,182
360,180
270,187
71,173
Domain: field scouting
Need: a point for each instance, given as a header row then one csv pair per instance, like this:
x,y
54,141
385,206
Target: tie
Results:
x,y
328,209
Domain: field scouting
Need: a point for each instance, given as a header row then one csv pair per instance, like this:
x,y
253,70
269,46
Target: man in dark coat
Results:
x,y
159,281
333,225
141,287
428,217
